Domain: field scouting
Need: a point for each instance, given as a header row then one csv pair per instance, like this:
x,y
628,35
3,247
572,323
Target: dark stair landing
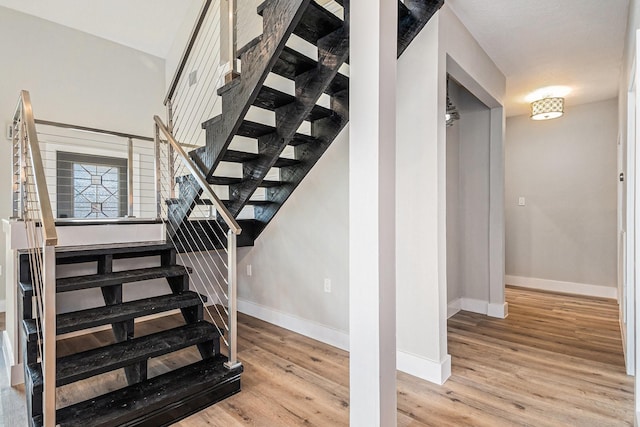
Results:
x,y
145,401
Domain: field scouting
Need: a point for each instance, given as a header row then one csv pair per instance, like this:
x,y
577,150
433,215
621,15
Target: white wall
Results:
x,y
306,243
566,170
76,78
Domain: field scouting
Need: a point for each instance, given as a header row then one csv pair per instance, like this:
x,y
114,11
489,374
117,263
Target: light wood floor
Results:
x,y
555,361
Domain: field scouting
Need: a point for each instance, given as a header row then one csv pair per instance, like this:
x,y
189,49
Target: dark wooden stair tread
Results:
x,y
226,180
112,249
89,318
315,23
242,156
79,366
235,156
109,279
156,401
255,130
270,99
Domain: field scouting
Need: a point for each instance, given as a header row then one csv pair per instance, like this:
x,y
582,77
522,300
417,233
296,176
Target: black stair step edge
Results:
x,y
256,130
199,202
283,162
226,180
79,366
234,156
250,202
79,254
26,289
158,401
402,9
292,63
271,99
315,23
75,283
106,315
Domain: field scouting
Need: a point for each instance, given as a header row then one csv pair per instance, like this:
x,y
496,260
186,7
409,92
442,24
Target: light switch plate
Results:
x,y
521,201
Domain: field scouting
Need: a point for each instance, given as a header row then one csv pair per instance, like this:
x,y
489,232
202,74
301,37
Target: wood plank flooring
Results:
x,y
555,361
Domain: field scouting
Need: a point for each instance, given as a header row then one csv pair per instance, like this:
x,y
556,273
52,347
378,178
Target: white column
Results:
x,y
372,302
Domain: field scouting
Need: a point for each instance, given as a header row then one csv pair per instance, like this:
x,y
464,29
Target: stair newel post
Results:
x,y
158,176
49,334
232,363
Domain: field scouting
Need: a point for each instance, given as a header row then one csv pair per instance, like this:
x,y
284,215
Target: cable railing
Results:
x,y
208,62
97,174
32,205
203,232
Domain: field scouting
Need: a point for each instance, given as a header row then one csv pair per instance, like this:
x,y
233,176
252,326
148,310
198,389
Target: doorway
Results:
x,y
475,227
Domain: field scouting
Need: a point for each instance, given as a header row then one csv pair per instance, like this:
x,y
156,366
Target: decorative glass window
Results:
x,y
91,186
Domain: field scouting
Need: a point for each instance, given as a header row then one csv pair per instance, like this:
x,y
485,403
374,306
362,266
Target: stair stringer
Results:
x,y
280,18
333,51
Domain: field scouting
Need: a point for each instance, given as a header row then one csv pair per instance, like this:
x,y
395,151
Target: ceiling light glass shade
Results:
x,y
547,108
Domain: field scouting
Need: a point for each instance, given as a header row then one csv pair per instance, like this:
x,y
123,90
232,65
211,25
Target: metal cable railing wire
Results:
x,y
198,237
202,264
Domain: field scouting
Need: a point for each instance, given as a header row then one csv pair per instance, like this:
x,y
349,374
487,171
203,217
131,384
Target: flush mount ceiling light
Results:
x,y
547,108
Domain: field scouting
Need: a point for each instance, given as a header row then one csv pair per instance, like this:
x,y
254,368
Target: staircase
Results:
x,y
313,77
171,396
155,401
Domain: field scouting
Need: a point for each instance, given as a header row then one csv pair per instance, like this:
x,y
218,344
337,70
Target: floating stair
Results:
x,y
313,79
143,401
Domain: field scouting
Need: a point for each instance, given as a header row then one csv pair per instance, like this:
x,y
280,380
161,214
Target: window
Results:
x,y
91,186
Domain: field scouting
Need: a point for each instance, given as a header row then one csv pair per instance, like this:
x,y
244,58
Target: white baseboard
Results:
x,y
435,372
453,307
584,289
500,311
3,305
474,305
296,324
15,372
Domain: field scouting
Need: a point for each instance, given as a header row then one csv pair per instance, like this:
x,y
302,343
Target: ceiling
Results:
x,y
146,25
574,43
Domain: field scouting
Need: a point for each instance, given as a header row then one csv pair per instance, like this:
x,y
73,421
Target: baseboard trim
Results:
x,y
296,324
474,305
15,372
500,311
428,370
583,289
453,307
3,305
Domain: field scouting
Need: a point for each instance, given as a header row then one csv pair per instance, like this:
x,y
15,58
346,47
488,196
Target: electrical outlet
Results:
x,y
327,285
249,272
521,201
